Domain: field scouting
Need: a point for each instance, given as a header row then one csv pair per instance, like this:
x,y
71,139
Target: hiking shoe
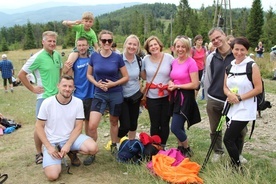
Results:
x,y
89,160
75,161
217,157
186,152
242,159
113,149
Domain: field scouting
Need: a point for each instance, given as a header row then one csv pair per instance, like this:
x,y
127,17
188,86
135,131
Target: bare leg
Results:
x,y
52,172
131,135
94,120
114,128
38,143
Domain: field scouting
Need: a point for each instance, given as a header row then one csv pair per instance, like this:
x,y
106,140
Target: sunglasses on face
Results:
x,y
106,40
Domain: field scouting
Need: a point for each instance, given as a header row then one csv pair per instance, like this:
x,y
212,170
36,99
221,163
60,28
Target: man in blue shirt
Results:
x,y
7,70
84,89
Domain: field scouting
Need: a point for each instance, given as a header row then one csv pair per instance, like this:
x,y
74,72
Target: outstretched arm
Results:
x,y
70,23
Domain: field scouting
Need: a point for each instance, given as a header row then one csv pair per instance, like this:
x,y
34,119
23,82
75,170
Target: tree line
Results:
x,y
163,20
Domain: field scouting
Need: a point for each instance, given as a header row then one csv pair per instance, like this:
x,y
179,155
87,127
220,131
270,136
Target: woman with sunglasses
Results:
x,y
131,89
107,71
157,96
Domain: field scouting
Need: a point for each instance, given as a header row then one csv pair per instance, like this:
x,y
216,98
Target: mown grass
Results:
x,y
17,149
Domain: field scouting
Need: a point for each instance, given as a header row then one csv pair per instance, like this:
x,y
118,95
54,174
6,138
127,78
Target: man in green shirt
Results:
x,y
46,65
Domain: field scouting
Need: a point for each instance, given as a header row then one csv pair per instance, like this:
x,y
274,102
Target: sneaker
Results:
x,y
89,160
75,161
113,149
242,159
217,157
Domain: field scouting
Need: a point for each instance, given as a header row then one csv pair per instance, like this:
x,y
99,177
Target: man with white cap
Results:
x,y
6,67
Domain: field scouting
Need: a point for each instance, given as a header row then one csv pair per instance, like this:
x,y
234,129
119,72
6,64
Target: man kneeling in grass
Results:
x,y
59,124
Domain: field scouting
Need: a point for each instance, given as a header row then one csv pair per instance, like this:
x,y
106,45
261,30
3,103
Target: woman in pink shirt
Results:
x,y
198,53
184,81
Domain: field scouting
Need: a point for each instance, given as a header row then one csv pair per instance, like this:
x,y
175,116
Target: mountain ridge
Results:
x,y
57,13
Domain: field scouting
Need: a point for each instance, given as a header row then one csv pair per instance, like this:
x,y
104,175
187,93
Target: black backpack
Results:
x,y
139,61
262,104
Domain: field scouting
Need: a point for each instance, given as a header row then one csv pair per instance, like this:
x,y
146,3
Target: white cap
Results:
x,y
4,56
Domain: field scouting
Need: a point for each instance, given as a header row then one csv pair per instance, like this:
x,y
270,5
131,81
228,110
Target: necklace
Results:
x,y
105,53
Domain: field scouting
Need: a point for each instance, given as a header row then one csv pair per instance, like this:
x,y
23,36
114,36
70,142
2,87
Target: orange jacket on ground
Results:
x,y
185,172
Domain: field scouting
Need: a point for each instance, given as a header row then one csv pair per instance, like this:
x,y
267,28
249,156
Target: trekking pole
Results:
x,y
218,130
64,160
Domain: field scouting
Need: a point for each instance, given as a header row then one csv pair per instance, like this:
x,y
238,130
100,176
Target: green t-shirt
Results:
x,y
46,69
89,35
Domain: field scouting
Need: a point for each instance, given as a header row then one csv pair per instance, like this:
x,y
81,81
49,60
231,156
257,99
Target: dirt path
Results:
x,y
263,138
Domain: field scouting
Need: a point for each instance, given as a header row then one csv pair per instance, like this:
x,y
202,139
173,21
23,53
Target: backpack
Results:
x,y
139,60
262,104
131,151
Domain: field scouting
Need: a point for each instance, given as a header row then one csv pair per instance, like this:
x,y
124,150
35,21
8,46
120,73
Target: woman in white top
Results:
x,y
241,94
157,96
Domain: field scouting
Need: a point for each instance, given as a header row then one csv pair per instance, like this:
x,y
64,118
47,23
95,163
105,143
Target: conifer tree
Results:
x,y
29,38
269,29
255,23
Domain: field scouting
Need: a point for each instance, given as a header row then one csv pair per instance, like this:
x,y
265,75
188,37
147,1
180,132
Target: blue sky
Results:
x,y
14,4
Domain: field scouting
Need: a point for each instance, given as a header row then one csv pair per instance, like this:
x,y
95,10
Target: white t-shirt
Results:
x,y
60,119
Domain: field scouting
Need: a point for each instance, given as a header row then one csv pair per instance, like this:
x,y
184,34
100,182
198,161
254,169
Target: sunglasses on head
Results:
x,y
107,40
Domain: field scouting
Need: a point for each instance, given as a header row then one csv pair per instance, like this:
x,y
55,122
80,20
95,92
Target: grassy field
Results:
x,y
17,150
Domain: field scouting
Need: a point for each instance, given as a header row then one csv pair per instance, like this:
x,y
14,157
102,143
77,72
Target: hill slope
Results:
x,y
57,14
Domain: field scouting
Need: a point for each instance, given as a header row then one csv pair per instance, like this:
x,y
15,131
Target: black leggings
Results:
x,y
232,140
159,118
129,117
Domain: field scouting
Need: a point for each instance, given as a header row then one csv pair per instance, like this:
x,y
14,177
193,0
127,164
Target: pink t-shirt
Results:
x,y
180,73
199,56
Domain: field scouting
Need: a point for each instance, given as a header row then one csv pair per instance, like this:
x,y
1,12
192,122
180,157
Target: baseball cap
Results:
x,y
4,56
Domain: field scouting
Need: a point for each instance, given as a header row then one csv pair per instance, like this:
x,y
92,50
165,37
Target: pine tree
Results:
x,y
182,18
255,23
269,29
29,38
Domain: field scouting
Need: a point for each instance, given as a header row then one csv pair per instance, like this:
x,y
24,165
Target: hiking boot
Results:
x,y
89,160
113,149
242,159
75,161
217,157
186,152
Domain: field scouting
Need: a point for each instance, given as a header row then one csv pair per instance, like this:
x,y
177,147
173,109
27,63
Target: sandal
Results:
x,y
39,158
3,178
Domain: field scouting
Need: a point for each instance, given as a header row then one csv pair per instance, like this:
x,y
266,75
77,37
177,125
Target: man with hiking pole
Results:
x,y
216,64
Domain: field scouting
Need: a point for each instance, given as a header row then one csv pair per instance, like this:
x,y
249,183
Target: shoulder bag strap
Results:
x,y
147,88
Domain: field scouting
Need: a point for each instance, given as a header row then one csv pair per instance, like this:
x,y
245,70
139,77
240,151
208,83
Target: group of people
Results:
x,y
105,79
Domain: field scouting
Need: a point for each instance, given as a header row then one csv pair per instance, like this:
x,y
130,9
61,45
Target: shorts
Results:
x,y
48,160
38,104
113,101
87,107
5,81
90,50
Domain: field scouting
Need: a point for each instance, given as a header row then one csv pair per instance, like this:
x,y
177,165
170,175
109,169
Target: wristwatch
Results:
x,y
239,97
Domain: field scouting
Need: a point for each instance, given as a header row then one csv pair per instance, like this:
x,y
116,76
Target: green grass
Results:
x,y
17,149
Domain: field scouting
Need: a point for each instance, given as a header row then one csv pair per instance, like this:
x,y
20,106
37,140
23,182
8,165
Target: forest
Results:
x,y
163,20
